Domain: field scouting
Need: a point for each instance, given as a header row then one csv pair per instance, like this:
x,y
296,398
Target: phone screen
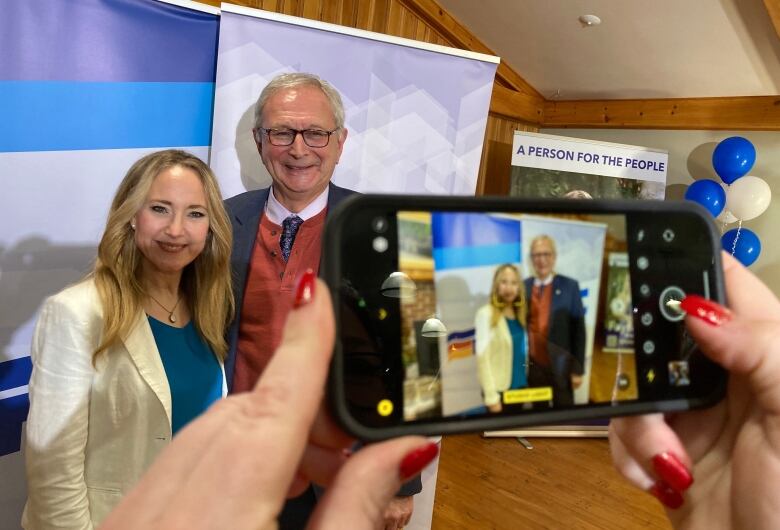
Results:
x,y
449,314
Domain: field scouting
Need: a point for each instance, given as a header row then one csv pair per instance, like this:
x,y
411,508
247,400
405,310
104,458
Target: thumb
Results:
x,y
369,480
748,348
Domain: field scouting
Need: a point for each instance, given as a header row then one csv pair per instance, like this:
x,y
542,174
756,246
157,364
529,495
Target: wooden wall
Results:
x,y
424,21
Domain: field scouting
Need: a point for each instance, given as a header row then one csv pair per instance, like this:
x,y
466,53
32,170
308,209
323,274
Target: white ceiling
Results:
x,y
641,49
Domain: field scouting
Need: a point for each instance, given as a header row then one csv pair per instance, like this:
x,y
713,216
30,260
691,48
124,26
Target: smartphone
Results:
x,y
459,314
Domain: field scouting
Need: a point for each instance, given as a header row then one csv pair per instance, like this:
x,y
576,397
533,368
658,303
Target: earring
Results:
x,y
132,226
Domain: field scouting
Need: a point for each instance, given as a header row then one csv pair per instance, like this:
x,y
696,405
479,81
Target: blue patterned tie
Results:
x,y
290,227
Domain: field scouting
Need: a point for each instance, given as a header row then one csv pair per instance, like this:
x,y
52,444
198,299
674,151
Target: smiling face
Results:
x,y
507,286
300,173
172,226
542,257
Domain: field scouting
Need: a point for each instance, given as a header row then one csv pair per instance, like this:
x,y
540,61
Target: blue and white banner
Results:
x,y
467,249
86,88
574,155
416,113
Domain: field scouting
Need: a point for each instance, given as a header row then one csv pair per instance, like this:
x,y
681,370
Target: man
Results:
x,y
300,134
556,325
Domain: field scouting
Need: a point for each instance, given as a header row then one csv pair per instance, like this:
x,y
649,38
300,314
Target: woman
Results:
x,y
129,355
501,340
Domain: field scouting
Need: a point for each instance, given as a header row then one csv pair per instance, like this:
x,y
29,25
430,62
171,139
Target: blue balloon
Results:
x,y
709,194
733,158
748,245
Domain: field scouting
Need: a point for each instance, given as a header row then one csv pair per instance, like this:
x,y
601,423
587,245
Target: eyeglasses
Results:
x,y
285,137
540,255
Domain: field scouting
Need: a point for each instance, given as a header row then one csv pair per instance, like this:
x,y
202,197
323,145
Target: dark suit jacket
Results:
x,y
244,211
567,323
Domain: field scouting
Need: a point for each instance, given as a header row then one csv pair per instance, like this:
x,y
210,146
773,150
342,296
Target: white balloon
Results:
x,y
748,197
726,217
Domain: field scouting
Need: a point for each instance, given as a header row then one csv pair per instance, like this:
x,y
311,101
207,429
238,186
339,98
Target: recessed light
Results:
x,y
589,20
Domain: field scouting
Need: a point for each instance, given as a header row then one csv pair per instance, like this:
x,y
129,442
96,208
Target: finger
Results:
x,y
162,481
368,481
749,349
268,428
634,443
326,432
320,465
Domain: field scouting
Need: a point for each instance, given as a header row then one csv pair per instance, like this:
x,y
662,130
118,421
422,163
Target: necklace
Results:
x,y
171,316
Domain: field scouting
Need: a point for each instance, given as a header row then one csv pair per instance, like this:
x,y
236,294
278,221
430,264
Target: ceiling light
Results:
x,y
433,328
589,20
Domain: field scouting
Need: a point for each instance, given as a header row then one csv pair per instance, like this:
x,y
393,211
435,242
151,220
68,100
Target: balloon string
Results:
x,y
736,238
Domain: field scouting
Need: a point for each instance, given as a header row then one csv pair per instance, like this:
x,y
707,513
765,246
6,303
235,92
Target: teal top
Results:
x,y
193,371
519,373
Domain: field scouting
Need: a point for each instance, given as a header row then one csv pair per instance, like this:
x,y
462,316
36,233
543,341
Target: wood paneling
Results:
x,y
495,168
773,8
739,113
496,483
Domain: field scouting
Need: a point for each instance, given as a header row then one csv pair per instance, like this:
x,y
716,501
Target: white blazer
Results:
x,y
494,354
92,430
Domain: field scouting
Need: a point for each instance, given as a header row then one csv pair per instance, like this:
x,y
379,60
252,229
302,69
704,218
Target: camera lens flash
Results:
x,y
380,244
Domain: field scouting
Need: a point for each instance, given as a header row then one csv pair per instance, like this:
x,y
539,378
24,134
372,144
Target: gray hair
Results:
x,y
544,238
297,79
577,194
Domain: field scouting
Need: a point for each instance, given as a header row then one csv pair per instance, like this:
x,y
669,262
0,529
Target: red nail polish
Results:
x,y
668,496
416,460
304,292
706,310
672,471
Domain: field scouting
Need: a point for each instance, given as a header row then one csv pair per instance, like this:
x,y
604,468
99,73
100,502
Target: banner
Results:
x,y
467,249
86,88
416,113
551,166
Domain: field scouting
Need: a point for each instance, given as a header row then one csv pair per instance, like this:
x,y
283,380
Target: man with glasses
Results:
x,y
556,325
299,132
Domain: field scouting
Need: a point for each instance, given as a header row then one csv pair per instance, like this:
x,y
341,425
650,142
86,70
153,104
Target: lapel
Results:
x,y
557,292
246,219
146,357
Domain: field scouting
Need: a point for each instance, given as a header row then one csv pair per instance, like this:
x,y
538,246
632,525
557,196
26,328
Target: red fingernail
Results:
x,y
672,471
707,310
305,290
668,496
416,460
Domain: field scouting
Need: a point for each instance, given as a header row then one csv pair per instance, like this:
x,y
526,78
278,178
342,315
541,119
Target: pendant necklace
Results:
x,y
171,316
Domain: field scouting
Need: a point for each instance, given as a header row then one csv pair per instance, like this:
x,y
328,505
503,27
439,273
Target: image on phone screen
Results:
x,y
492,314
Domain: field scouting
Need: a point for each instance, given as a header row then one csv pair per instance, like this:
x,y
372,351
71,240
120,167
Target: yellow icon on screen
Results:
x,y
382,313
528,395
385,407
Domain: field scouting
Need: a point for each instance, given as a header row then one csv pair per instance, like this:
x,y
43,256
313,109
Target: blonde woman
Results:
x,y
501,339
125,358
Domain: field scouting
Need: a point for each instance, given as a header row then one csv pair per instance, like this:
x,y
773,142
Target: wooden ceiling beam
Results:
x,y
758,113
773,8
517,106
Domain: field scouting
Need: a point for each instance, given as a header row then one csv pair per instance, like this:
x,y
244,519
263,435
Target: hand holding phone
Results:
x,y
458,314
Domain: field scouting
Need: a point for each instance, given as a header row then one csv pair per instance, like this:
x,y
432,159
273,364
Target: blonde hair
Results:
x,y
519,306
206,281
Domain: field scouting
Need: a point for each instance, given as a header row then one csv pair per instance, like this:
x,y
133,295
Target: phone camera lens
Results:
x,y
379,224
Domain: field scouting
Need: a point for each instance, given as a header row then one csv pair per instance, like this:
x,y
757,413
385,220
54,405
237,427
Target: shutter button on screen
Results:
x,y
669,303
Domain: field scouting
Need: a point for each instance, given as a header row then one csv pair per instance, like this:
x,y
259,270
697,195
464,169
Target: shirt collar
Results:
x,y
276,212
543,282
